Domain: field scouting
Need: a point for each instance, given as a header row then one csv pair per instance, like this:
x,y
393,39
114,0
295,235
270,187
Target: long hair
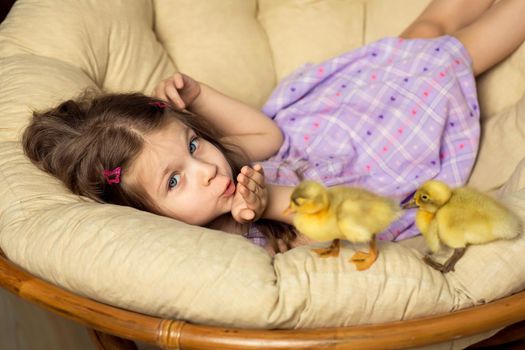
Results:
x,y
79,139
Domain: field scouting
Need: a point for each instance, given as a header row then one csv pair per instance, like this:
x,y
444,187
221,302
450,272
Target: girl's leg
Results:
x,y
495,35
445,16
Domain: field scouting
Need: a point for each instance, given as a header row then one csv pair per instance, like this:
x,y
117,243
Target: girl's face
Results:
x,y
187,177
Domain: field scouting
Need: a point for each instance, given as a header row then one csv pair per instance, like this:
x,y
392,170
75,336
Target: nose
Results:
x,y
205,171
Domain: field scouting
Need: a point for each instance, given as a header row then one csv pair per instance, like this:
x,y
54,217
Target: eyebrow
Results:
x,y
167,169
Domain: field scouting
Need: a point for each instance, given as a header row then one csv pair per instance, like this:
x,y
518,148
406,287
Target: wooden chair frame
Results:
x,y
113,326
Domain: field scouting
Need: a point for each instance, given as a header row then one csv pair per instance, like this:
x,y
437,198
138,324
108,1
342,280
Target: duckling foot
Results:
x,y
449,265
435,265
331,251
364,260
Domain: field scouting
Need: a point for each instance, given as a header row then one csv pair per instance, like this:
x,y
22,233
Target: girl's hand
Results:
x,y
282,247
251,196
179,89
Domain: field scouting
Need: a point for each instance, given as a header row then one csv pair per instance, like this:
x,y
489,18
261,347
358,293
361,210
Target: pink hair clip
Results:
x,y
112,176
158,104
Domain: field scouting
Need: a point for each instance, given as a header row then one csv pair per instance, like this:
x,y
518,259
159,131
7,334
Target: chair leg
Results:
x,y
105,341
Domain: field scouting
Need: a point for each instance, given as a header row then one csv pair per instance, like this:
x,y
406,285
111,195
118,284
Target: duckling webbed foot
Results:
x,y
435,265
364,260
449,265
331,251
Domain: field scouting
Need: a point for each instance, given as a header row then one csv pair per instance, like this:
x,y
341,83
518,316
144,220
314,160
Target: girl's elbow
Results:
x,y
275,141
265,145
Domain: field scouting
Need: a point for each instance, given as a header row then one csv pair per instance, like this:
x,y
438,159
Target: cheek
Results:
x,y
225,165
193,209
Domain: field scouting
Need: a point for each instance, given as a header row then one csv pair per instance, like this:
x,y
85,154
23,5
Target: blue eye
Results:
x,y
194,143
174,181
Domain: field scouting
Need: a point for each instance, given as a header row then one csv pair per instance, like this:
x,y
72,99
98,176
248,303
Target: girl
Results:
x,y
387,116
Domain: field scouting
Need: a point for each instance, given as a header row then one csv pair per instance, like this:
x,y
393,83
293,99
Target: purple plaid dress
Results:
x,y
386,117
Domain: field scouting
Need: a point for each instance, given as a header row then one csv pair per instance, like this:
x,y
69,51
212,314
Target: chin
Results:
x,y
204,221
198,222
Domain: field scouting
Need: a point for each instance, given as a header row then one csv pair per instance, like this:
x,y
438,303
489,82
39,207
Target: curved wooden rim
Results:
x,y
179,334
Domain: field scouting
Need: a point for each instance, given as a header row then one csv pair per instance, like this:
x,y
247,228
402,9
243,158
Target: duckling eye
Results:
x,y
424,197
298,201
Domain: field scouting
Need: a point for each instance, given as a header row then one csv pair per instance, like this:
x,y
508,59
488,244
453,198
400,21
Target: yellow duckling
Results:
x,y
341,212
459,217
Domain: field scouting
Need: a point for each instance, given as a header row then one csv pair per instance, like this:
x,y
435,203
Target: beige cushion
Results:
x,y
502,147
147,263
229,51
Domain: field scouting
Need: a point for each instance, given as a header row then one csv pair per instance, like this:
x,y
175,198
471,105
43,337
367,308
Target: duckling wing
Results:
x,y
319,227
475,219
503,223
454,225
361,216
353,229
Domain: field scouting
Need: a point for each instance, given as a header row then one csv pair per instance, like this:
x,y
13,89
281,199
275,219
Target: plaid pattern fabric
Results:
x,y
256,236
387,117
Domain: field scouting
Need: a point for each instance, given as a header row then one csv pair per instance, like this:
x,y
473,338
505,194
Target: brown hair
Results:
x,y
79,139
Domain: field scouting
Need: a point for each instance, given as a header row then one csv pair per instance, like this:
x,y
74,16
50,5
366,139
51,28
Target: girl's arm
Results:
x,y
256,134
278,201
242,125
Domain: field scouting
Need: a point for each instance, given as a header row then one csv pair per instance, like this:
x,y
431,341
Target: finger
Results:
x,y
242,216
173,96
301,240
178,81
252,179
254,175
247,182
247,214
282,246
252,187
249,197
258,168
159,91
269,249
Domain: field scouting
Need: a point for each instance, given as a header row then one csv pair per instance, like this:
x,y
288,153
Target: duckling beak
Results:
x,y
410,204
288,210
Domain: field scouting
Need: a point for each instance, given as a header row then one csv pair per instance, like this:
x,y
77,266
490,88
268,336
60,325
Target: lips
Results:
x,y
229,190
